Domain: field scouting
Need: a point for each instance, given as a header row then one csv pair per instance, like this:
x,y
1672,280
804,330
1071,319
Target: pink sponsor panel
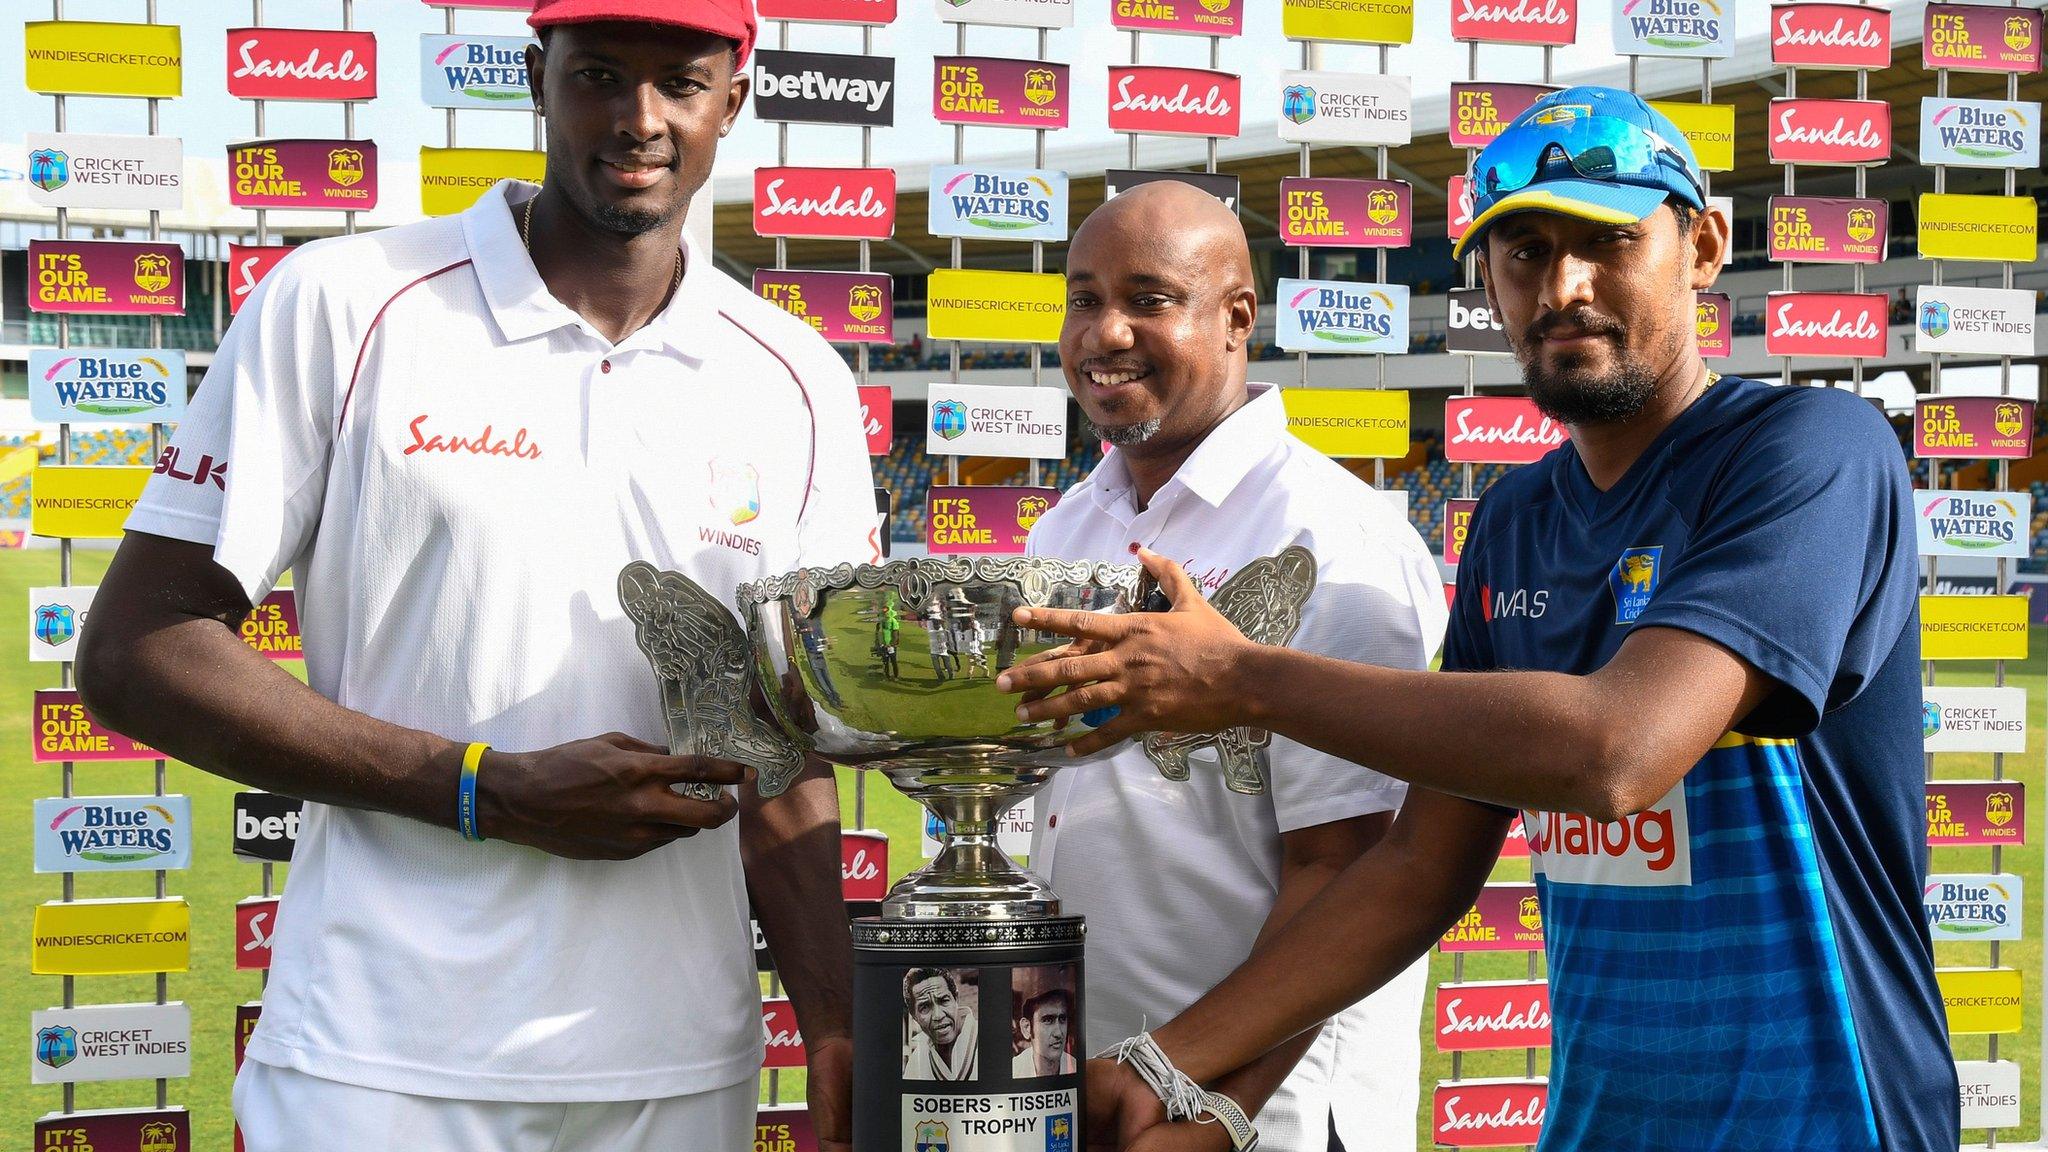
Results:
x,y
107,277
1828,324
1317,212
843,307
1961,813
248,264
1000,92
1505,918
64,730
1482,110
877,418
1554,22
141,1130
1173,101
272,627
1458,208
255,924
301,64
780,1035
785,1128
1712,312
828,11
1488,1015
1820,35
1828,229
1981,38
1973,427
1498,430
983,519
1189,17
863,865
1516,846
303,174
1824,131
825,203
1488,1113
1457,526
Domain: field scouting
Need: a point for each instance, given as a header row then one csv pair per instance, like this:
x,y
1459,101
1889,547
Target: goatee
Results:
x,y
1122,435
1579,397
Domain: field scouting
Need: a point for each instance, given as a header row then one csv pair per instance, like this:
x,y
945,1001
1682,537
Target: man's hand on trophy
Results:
x,y
1121,1106
609,797
1164,671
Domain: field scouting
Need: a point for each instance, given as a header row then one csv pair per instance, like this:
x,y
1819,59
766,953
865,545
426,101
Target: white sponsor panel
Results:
x,y
106,385
994,420
1650,849
1015,13
1982,321
1964,523
1346,108
55,616
1974,719
1703,28
475,72
997,203
1980,133
1973,906
1990,1093
1340,316
1013,834
111,1042
1020,1121
112,833
79,170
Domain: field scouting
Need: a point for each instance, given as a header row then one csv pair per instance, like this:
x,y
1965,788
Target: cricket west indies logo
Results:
x,y
949,419
116,833
736,491
1516,21
1986,133
1972,521
1634,581
57,1046
1824,131
1810,35
301,64
49,168
55,623
825,203
1173,101
1825,324
1681,26
110,385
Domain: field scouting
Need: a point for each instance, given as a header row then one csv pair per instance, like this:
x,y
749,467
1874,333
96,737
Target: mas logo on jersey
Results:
x,y
1634,581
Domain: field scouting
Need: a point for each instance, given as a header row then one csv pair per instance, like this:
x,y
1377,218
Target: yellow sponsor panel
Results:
x,y
90,58
1980,1000
1709,128
111,937
1357,21
1973,627
85,501
968,304
1958,227
452,178
1349,421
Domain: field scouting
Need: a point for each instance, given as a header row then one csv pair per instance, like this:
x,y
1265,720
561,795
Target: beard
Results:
x,y
1122,435
1577,395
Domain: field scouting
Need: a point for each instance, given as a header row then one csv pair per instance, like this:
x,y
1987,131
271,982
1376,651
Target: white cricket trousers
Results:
x,y
284,1110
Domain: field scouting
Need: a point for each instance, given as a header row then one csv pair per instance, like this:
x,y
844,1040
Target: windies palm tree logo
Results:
x,y
55,623
1298,103
949,419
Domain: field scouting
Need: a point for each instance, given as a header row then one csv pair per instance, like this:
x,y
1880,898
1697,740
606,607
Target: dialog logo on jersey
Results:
x,y
1634,581
825,203
1822,131
1651,849
1821,35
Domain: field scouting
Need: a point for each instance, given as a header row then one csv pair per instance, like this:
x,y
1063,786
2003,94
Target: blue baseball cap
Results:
x,y
1599,154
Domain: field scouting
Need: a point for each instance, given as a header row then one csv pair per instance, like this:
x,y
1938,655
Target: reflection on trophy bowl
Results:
x,y
893,667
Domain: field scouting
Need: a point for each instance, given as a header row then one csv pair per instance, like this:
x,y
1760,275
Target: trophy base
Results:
x,y
967,1035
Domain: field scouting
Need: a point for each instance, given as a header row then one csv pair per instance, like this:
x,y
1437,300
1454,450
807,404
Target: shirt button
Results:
x,y
606,366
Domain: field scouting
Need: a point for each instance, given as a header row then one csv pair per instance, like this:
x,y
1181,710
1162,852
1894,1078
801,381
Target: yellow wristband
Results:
x,y
465,794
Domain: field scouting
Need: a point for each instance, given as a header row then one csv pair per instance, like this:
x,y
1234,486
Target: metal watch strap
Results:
x,y
1243,1137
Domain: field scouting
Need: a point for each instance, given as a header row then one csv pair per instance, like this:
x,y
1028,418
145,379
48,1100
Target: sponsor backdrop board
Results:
x,y
1471,328
1322,212
843,307
863,865
266,826
997,203
1956,719
111,1042
1173,101
77,170
824,88
1980,133
1966,813
1498,430
1982,427
1990,1093
1805,130
1187,17
55,616
1457,528
825,203
92,58
1812,34
1486,1015
1826,324
999,92
1981,38
110,937
109,277
1349,422
83,501
1981,1001
1974,907
1361,108
1708,128
1482,110
319,174
451,179
64,730
996,420
829,11
1341,316
1712,332
112,833
1488,1113
1961,523
1014,13
877,418
106,385
1959,226
1221,185
1982,321
255,925
272,627
1973,627
114,1130
248,264
1505,918
1698,28
983,519
302,64
1011,307
1552,22
1828,230
475,72
1351,21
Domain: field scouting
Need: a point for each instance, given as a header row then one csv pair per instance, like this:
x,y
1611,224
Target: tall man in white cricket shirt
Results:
x,y
1178,880
502,930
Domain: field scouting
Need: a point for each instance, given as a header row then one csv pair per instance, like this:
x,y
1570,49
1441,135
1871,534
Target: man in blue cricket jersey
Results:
x,y
1685,644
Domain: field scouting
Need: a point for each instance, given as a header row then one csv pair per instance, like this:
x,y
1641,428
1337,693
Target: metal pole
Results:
x,y
67,769
1038,246
960,157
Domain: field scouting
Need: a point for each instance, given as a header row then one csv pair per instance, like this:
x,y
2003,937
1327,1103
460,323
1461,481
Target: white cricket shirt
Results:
x,y
1176,879
455,466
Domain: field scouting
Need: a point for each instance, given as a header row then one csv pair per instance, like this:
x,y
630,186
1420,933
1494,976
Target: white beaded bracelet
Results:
x,y
1243,1137
1181,1095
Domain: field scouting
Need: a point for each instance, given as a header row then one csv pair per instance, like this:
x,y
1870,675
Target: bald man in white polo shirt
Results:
x,y
1179,880
455,434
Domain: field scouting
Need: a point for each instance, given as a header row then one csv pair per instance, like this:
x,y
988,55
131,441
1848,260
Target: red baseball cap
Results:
x,y
732,19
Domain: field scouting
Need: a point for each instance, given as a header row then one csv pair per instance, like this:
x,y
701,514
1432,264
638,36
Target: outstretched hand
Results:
x,y
1174,671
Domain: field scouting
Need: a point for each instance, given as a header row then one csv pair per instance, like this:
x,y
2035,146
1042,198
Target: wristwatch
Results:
x,y
1243,1137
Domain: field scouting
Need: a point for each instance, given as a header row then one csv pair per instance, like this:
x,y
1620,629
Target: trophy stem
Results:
x,y
971,876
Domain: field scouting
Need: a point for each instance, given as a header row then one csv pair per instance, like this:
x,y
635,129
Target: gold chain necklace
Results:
x,y
526,241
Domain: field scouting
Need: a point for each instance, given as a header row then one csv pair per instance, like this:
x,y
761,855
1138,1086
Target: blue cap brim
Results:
x,y
1601,201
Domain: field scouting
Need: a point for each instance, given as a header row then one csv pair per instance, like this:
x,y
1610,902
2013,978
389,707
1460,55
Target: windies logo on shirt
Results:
x,y
1490,1015
1831,324
1650,849
736,491
1173,101
1819,35
825,203
1553,22
1489,1113
1819,131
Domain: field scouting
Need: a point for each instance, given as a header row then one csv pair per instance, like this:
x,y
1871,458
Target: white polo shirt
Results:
x,y
455,466
1176,879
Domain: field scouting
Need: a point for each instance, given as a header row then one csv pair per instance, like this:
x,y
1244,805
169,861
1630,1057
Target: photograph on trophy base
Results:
x,y
1043,1009
941,1035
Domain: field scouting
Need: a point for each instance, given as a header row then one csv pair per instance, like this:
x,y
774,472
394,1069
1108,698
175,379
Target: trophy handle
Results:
x,y
703,658
1264,599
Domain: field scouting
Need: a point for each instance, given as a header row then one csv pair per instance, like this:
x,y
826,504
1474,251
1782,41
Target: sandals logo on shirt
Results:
x,y
1634,581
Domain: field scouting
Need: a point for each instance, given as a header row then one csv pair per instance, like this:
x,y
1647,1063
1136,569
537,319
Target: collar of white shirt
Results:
x,y
522,306
1216,467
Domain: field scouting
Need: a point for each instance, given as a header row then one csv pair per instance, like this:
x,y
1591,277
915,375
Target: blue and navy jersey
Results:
x,y
1745,964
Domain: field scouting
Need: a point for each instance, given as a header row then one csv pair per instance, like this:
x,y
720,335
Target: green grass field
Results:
x,y
217,879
